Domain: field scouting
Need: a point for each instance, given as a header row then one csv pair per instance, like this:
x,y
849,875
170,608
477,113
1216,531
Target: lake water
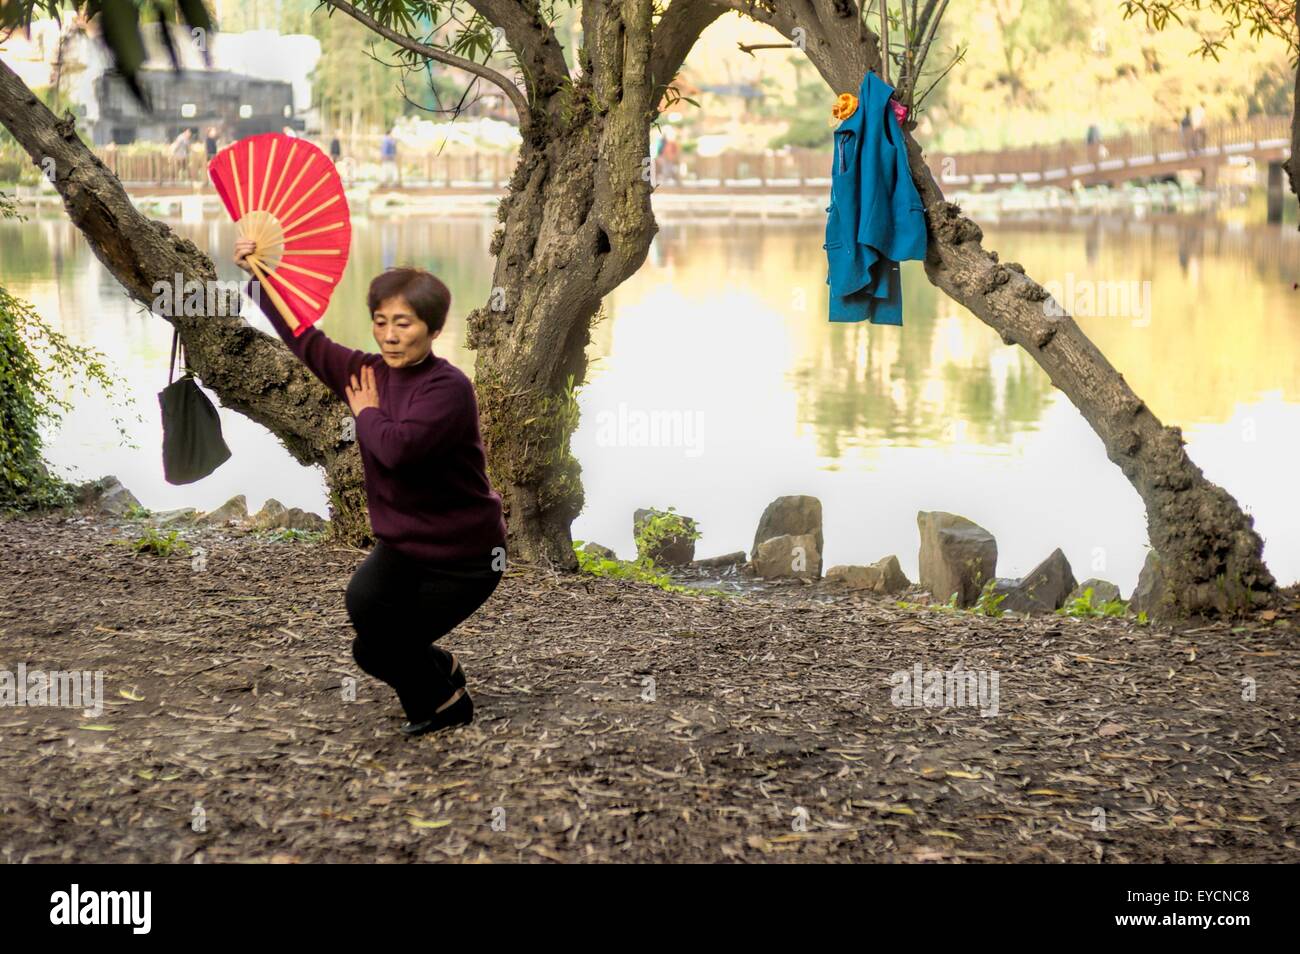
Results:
x,y
722,337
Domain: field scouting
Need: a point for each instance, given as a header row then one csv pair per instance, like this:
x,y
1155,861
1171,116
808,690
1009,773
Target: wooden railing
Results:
x,y
160,168
1133,155
1155,152
793,167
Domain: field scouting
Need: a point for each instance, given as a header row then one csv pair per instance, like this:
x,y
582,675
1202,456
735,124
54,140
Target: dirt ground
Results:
x,y
616,722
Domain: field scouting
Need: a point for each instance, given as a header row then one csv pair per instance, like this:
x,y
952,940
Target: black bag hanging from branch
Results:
x,y
192,443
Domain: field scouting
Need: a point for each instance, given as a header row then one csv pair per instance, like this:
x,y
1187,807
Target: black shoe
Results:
x,y
449,665
457,710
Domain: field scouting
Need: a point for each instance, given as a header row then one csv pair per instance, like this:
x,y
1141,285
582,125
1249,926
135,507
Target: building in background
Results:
x,y
234,104
251,82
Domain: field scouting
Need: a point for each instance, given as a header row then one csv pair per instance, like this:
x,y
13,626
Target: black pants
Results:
x,y
399,607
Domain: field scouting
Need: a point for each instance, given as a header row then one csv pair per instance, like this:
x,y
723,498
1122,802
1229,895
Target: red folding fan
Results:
x,y
286,195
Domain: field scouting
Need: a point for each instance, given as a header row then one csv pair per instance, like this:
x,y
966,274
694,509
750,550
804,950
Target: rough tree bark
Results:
x,y
1209,553
251,372
575,223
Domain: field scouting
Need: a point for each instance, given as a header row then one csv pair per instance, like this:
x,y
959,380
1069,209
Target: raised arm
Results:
x,y
330,361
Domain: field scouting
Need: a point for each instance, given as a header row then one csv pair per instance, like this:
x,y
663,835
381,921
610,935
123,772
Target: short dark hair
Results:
x,y
428,296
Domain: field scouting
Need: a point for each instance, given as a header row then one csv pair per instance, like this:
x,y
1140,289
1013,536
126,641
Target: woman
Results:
x,y
441,536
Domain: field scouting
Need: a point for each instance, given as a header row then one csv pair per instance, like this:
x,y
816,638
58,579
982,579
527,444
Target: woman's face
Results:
x,y
403,338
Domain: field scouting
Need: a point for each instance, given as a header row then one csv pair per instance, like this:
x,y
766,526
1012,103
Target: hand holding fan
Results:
x,y
286,195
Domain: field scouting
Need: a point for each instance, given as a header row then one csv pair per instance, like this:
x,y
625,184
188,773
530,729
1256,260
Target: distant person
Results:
x,y
1185,129
1198,126
670,154
336,149
388,158
1094,134
210,143
181,144
180,150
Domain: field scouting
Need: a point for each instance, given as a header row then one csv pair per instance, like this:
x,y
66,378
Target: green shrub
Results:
x,y
662,527
640,570
1083,606
160,544
989,604
33,358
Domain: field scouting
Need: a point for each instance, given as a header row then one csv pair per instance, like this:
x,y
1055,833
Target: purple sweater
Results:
x,y
426,472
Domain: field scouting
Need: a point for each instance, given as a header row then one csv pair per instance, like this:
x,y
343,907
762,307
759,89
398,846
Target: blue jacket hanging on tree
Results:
x,y
876,217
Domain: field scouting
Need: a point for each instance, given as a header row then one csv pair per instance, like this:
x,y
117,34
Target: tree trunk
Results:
x,y
251,372
576,222
1210,555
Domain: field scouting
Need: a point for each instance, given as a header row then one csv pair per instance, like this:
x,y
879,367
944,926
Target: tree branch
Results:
x,y
676,32
751,47
825,38
532,39
513,92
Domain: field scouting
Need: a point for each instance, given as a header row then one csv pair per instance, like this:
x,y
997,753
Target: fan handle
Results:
x,y
288,314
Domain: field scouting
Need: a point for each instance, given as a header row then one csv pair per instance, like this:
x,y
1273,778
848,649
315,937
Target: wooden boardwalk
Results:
x,y
1156,153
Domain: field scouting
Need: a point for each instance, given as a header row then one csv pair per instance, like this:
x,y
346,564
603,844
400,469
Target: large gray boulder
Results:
x,y
1150,587
957,556
672,550
1043,589
884,576
176,518
234,510
297,519
794,515
107,496
790,555
275,516
271,516
1103,591
891,575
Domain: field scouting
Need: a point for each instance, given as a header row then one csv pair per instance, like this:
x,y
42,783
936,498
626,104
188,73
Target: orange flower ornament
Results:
x,y
845,106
